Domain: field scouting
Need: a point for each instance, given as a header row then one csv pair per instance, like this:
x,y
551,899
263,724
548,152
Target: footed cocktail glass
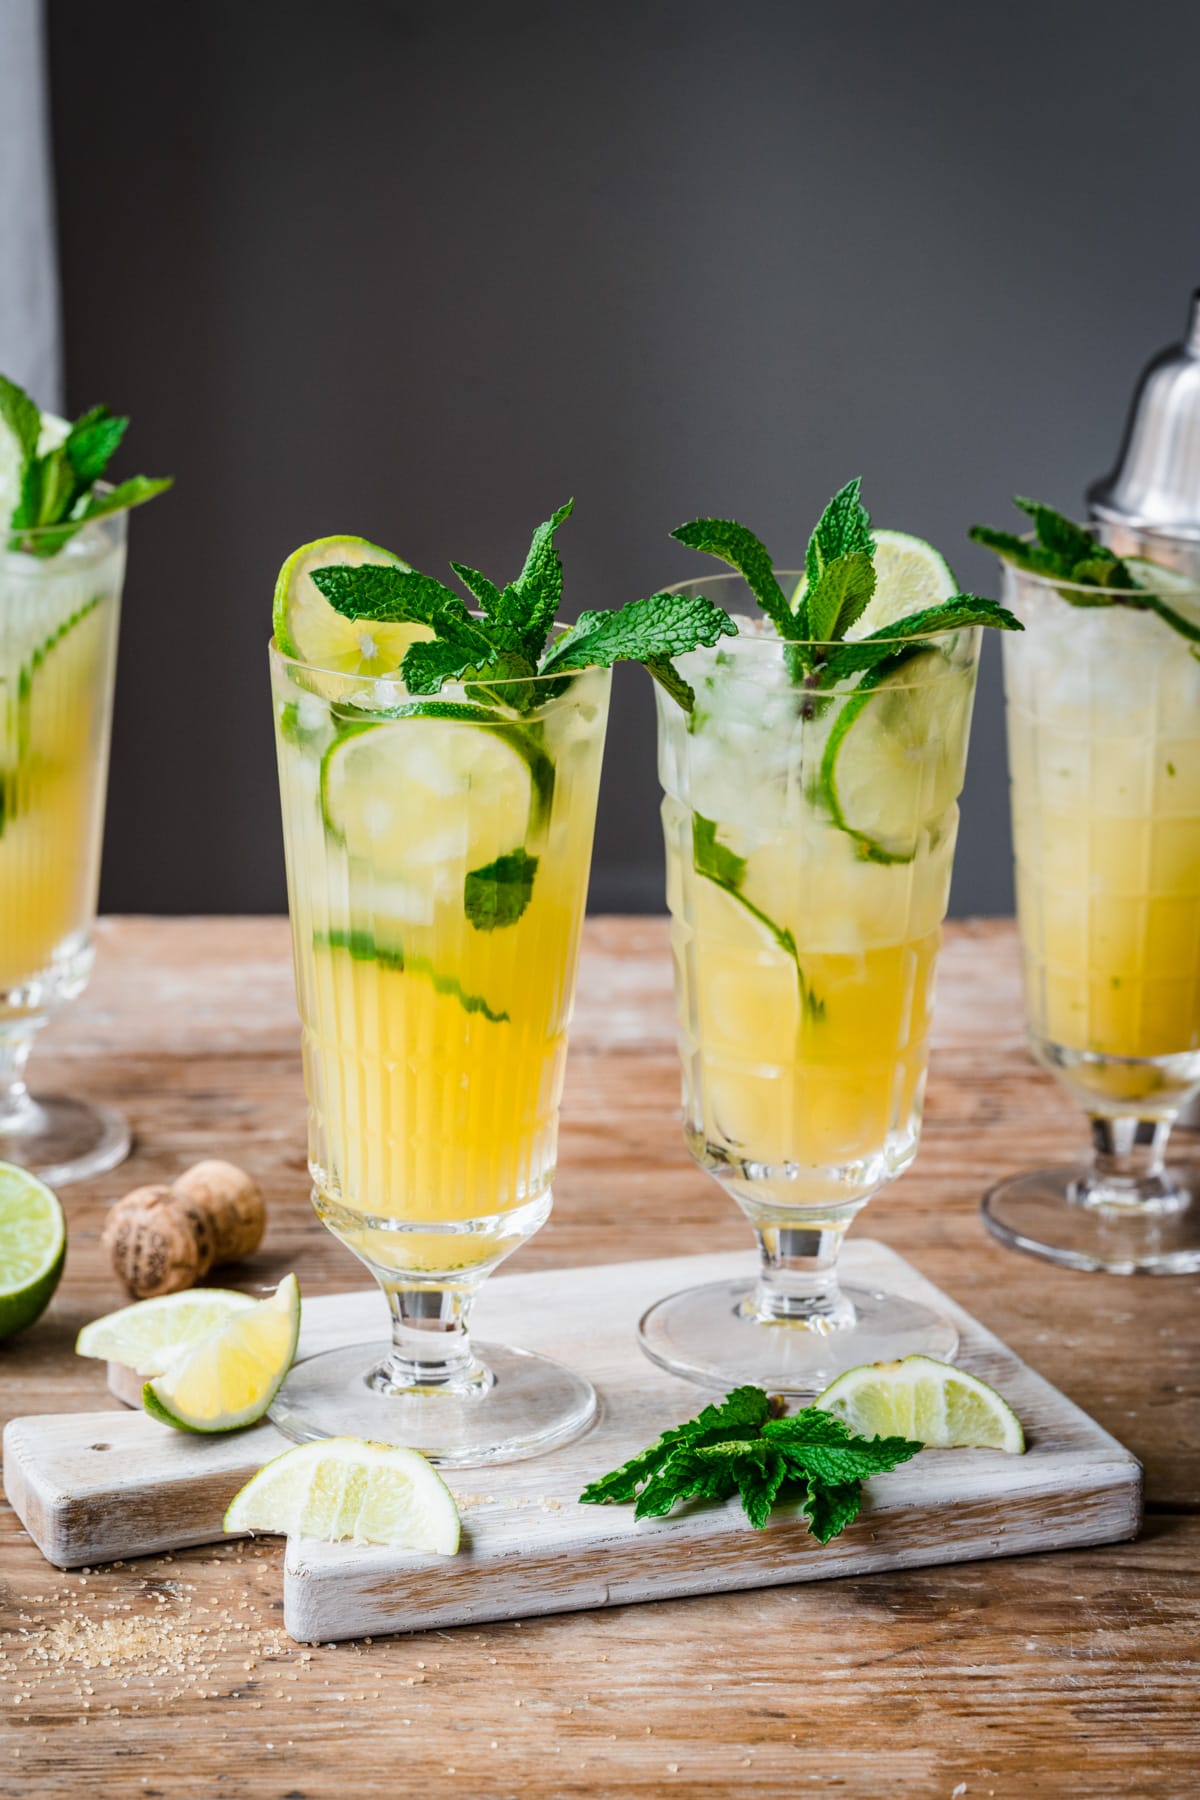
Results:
x,y
438,853
58,649
1104,757
809,836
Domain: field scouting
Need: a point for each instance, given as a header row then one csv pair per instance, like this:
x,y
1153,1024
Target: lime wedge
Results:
x,y
910,575
149,1335
425,798
307,627
33,1247
893,762
231,1376
943,1407
1169,584
345,1487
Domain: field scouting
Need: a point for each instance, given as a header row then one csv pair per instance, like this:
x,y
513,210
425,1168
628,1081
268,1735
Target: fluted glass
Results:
x,y
438,853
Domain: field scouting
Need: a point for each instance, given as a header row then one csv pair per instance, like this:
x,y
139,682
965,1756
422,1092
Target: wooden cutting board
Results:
x,y
94,1487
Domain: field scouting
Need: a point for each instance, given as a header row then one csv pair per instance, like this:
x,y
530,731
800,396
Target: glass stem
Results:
x,y
1127,1167
431,1342
17,1111
798,1278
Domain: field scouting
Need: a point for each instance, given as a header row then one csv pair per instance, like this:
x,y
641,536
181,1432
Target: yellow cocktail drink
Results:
x,y
1104,750
438,867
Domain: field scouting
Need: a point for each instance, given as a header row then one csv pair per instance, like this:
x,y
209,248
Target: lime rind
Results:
x,y
149,1335
308,628
339,1489
188,1395
33,1247
941,1406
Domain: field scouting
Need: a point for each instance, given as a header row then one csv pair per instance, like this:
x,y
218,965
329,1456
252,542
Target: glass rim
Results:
x,y
39,532
394,676
1056,583
770,639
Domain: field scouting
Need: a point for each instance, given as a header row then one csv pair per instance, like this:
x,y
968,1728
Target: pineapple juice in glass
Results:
x,y
438,832
810,815
1103,697
60,597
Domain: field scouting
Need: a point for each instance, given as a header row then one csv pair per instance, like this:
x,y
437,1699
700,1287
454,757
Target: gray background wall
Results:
x,y
420,271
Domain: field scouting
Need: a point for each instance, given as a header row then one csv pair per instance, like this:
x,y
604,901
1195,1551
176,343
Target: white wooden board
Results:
x,y
94,1487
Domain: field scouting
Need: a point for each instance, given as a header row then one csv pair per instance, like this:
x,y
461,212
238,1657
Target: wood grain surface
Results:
x,y
1072,1673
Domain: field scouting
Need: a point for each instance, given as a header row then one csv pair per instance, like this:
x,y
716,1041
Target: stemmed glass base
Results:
x,y
795,1328
713,1336
504,1405
1126,1215
1054,1214
63,1140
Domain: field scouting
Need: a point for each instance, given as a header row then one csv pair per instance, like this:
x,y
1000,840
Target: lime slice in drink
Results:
x,y
893,761
148,1336
307,627
33,1247
425,798
910,575
1172,585
348,1488
232,1375
943,1407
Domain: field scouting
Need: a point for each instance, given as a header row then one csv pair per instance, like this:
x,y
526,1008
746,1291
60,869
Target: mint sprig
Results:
x,y
57,496
508,643
741,1446
1062,551
839,584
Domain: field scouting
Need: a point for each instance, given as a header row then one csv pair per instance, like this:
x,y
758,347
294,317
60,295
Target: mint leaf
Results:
x,y
485,591
22,417
134,492
497,894
741,1411
736,545
839,596
662,626
537,591
92,443
691,1473
759,1475
671,681
821,1458
956,614
718,863
831,1506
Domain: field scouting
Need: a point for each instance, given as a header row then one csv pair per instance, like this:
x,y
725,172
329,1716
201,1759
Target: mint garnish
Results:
x,y
727,870
508,644
741,1446
498,894
1062,551
839,584
57,489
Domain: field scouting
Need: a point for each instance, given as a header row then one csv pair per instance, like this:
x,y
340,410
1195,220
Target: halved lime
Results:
x,y
307,627
893,762
910,575
231,1376
945,1408
425,798
346,1487
149,1335
33,1247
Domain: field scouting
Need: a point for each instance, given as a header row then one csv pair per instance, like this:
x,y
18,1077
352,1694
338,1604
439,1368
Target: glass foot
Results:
x,y
530,1405
703,1335
63,1140
1045,1214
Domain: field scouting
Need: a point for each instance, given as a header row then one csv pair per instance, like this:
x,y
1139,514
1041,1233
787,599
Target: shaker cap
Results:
x,y
1156,481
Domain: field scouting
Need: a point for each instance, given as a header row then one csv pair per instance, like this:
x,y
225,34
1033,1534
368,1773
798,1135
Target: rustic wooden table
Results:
x,y
1072,1673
